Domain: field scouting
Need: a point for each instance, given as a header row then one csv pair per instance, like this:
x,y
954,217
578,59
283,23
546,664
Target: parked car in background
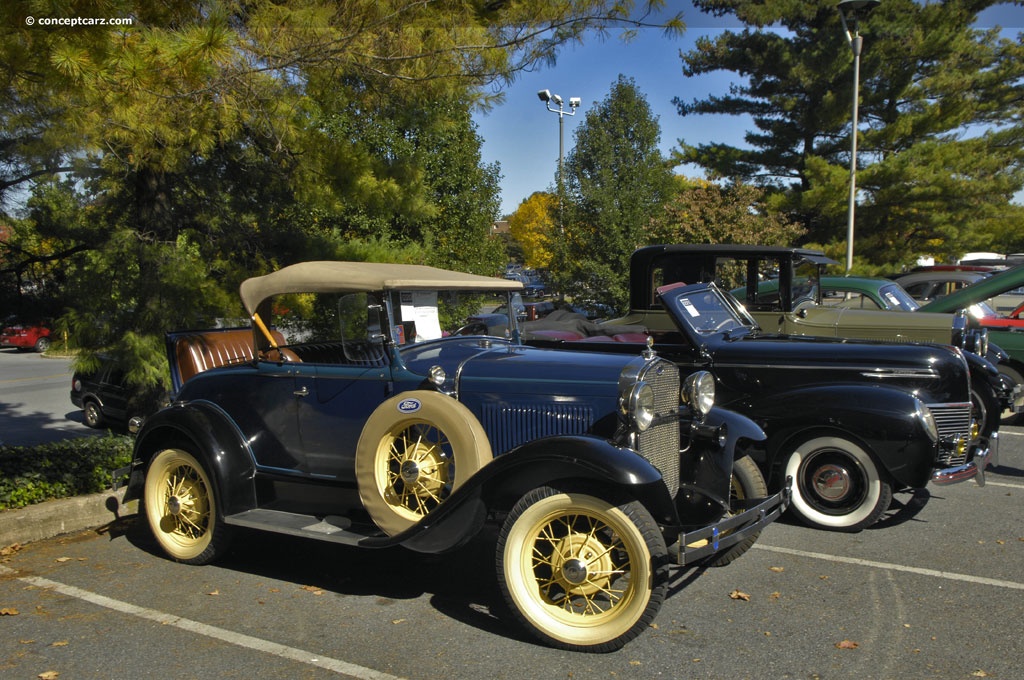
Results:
x,y
927,284
850,422
780,287
26,336
369,417
1005,330
851,292
108,400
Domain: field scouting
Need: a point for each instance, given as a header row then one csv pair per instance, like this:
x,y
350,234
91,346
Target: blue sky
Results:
x,y
522,135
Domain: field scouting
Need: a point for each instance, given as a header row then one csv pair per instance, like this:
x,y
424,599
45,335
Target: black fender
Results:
x,y
882,420
577,461
208,433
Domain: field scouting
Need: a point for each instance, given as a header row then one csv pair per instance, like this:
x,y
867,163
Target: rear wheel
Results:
x,y
42,344
579,572
1008,417
181,508
837,484
93,414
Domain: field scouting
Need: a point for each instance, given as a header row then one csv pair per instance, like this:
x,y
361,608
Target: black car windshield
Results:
x,y
704,308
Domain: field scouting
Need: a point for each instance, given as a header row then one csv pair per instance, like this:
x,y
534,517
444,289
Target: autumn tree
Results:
x,y
616,180
533,227
940,145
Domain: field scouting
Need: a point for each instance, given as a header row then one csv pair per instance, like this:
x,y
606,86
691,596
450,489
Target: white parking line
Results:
x,y
246,641
1011,486
952,576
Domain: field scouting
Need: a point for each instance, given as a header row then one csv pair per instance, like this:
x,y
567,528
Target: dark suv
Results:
x,y
106,398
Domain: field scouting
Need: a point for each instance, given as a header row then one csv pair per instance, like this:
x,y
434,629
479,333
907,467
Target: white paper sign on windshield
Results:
x,y
420,306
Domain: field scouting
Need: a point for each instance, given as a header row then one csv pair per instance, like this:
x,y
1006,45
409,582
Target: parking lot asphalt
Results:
x,y
936,590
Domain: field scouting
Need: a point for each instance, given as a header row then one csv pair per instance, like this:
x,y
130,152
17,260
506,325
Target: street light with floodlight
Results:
x,y
574,103
853,10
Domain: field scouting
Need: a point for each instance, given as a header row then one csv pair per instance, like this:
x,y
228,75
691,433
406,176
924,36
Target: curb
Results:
x,y
64,515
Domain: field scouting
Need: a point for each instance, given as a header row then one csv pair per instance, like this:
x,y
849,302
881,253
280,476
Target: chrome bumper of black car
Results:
x,y
975,469
700,544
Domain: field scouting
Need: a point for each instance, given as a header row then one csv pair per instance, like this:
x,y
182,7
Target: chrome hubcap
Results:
x,y
832,482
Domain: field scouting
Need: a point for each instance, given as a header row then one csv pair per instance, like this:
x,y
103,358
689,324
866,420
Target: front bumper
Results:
x,y
974,469
700,544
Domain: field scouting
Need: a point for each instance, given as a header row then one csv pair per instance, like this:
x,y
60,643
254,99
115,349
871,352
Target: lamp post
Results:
x,y
574,103
853,10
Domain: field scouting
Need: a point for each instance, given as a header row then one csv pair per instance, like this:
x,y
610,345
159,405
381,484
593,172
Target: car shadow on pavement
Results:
x,y
460,584
905,506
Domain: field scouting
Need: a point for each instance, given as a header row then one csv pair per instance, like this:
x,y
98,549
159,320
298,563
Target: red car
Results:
x,y
26,336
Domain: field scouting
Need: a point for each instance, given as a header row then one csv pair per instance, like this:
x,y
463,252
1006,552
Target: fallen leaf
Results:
x,y
62,559
739,595
313,589
823,577
1000,541
48,675
980,674
777,570
397,621
59,643
635,663
776,595
214,592
847,644
8,611
9,550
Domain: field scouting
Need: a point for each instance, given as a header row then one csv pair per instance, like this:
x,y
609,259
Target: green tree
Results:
x,y
940,153
206,142
706,212
616,180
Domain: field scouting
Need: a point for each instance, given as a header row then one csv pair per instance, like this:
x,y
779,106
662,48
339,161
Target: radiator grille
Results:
x,y
953,421
660,443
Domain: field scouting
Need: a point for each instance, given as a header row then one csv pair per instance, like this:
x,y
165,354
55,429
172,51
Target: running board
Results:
x,y
308,526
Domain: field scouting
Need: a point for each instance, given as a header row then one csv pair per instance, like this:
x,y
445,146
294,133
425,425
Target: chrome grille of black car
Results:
x,y
509,425
953,421
659,444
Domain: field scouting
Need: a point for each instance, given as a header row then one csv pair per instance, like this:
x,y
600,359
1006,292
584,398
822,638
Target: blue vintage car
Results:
x,y
358,410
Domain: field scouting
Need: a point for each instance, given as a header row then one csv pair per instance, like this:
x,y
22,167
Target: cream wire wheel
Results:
x,y
415,450
181,508
580,572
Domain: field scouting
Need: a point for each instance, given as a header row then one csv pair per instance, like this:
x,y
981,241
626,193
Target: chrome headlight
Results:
x,y
699,392
640,405
437,375
928,420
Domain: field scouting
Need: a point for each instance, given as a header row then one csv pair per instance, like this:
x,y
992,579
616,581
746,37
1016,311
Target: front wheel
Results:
x,y
837,484
181,508
42,344
747,483
579,572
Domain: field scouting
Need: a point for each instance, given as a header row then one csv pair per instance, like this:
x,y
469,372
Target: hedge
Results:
x,y
32,474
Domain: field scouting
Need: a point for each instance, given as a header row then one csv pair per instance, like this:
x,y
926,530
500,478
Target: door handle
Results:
x,y
304,392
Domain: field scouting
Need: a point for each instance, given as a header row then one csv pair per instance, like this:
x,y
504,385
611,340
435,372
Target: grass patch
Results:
x,y
32,474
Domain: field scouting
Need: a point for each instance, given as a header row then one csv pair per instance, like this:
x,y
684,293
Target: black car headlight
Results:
x,y
699,392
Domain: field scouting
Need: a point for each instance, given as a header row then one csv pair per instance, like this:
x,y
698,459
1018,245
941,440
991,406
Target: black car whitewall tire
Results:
x,y
415,450
180,503
747,482
579,572
837,484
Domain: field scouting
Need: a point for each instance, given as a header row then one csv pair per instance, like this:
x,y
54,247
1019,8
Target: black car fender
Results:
x,y
208,433
881,419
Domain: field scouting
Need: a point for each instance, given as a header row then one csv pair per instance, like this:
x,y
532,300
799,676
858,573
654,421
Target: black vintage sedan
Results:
x,y
361,409
849,422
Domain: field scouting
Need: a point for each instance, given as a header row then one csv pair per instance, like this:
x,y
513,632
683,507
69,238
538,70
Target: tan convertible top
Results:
x,y
354,277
